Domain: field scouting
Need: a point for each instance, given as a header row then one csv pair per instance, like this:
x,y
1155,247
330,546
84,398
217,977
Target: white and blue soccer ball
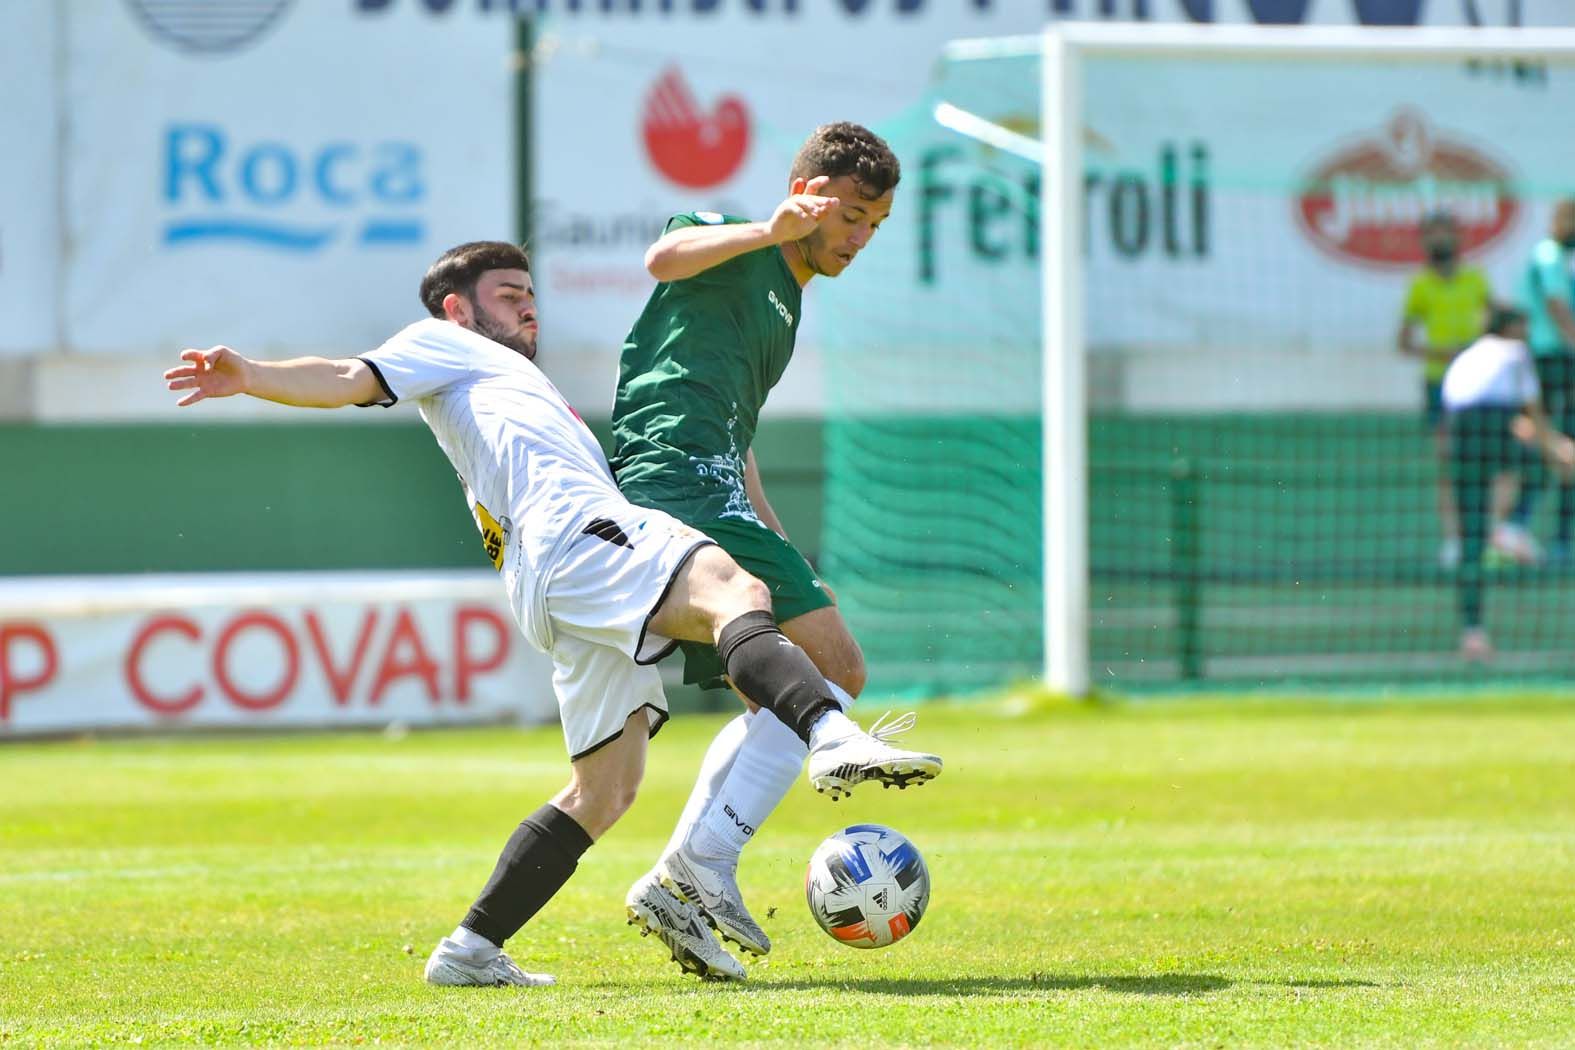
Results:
x,y
867,886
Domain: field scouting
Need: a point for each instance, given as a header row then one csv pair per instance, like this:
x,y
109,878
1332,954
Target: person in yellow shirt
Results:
x,y
1448,302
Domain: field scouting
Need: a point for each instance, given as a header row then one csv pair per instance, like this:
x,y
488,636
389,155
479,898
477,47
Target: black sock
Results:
x,y
538,860
773,672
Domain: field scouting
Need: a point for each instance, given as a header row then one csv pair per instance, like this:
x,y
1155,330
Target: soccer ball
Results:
x,y
867,886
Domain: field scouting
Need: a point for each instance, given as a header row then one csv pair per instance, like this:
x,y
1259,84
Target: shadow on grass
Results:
x,y
1159,984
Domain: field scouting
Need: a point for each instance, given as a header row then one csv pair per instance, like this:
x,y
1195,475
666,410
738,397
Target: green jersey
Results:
x,y
1546,276
696,368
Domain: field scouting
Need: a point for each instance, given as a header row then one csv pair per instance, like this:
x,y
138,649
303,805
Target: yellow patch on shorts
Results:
x,y
492,535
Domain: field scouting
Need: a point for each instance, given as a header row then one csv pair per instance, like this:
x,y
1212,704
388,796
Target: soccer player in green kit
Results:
x,y
713,340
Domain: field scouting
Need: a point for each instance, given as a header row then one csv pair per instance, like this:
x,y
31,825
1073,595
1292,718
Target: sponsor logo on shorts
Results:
x,y
609,530
494,534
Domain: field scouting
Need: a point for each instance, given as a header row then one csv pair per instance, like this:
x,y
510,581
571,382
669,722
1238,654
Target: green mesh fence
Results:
x,y
1263,486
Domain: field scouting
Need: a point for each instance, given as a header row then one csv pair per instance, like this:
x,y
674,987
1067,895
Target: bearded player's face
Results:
x,y
505,310
847,230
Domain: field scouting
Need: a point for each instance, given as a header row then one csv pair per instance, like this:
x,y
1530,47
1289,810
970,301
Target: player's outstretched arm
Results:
x,y
692,250
306,382
1558,449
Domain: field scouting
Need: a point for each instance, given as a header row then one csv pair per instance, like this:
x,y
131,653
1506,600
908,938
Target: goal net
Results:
x,y
1118,396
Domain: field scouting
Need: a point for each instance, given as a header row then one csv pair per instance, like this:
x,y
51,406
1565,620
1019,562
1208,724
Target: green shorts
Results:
x,y
795,589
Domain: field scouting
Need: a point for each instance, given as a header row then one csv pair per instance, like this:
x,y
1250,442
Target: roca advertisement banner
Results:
x,y
175,653
275,175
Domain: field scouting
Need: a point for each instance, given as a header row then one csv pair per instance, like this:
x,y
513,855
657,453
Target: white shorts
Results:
x,y
599,600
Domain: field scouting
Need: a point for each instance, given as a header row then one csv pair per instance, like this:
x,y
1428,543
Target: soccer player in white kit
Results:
x,y
605,587
1498,428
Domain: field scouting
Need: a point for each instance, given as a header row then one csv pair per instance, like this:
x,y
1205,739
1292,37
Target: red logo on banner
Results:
x,y
479,644
1365,203
45,662
693,149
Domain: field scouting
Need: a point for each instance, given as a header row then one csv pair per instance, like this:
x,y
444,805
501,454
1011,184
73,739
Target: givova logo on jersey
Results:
x,y
782,311
290,196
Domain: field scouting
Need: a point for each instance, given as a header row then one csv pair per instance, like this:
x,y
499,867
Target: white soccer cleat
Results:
x,y
1475,646
839,765
655,909
713,890
1516,543
453,965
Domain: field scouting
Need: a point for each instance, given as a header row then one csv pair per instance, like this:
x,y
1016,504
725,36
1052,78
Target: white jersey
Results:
x,y
1493,372
530,467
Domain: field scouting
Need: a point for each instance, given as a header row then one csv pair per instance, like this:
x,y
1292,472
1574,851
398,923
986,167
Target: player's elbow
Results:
x,y
661,262
358,384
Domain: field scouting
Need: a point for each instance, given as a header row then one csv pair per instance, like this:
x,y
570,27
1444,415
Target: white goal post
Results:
x,y
1063,48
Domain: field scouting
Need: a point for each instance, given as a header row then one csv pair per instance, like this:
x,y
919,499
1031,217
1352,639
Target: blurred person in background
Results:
x,y
1546,293
1448,301
1497,428
714,338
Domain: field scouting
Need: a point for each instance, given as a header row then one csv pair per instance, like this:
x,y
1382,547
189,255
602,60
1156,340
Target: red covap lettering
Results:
x,y
18,676
478,644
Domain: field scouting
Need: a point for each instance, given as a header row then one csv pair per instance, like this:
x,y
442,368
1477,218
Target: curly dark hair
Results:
x,y
458,269
852,150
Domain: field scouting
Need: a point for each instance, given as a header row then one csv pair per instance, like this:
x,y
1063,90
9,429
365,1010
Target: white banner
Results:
x,y
1297,193
702,105
278,178
1251,227
264,651
29,176
277,174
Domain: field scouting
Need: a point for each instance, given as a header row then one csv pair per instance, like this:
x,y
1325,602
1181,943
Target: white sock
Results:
x,y
841,695
472,940
767,764
830,728
714,767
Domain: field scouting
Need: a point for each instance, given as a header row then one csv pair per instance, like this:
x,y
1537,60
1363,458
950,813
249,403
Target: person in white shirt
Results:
x,y
1498,428
606,587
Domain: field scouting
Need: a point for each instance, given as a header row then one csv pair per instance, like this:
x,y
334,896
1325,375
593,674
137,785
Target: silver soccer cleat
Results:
x,y
453,965
655,909
836,768
713,890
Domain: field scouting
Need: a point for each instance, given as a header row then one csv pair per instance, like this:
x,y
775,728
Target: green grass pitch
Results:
x,y
1167,873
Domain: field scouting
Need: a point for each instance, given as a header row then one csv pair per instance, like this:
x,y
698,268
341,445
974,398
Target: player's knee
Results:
x,y
723,591
750,593
737,592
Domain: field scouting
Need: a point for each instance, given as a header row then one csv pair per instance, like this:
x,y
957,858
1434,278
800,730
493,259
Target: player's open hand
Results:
x,y
798,216
216,372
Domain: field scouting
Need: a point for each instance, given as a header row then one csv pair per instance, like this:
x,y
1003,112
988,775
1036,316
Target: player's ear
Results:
x,y
456,308
797,186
